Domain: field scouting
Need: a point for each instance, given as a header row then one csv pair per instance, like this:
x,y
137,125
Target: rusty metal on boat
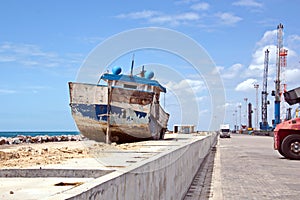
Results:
x,y
125,109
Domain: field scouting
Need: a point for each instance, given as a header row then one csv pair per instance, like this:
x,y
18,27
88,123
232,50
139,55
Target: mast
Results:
x,y
256,86
132,63
264,94
108,133
277,81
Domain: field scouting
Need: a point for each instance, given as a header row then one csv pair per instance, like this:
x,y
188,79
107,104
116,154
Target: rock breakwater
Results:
x,y
39,139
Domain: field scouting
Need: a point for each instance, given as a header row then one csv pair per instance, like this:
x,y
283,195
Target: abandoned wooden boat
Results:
x,y
127,109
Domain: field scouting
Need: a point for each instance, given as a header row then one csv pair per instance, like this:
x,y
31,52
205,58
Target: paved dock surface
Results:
x,y
247,167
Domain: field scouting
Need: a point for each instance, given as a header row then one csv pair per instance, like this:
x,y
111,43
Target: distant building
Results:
x,y
184,128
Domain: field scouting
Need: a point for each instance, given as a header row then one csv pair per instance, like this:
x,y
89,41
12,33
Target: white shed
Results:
x,y
184,128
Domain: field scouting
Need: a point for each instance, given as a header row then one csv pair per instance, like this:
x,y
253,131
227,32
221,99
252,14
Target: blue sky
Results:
x,y
44,43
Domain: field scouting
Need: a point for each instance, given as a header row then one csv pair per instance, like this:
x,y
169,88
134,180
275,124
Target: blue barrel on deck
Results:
x,y
116,70
149,74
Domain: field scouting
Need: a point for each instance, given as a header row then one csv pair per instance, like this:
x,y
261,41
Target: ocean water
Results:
x,y
36,133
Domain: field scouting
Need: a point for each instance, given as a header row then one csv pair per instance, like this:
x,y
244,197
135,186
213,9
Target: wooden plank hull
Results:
x,y
133,115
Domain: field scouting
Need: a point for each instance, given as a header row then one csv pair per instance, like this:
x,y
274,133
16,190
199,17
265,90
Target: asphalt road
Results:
x,y
247,167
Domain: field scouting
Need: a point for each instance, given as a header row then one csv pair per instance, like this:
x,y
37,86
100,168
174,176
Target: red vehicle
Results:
x,y
287,133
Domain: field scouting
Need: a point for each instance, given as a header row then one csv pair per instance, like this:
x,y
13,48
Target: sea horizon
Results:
x,y
37,133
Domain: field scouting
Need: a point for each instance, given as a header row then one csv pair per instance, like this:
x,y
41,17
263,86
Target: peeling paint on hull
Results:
x,y
96,130
129,122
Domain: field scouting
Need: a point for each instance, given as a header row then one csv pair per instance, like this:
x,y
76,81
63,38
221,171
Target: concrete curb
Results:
x,y
216,190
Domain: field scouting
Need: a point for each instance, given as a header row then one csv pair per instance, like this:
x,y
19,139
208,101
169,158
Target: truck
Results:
x,y
224,131
287,133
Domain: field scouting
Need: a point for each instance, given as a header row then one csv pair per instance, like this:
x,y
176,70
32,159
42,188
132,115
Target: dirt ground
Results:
x,y
31,155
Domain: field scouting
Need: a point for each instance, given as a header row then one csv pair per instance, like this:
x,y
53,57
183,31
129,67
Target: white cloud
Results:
x,y
256,67
200,6
258,56
7,58
25,49
293,42
185,1
293,75
248,3
294,38
246,85
145,14
201,98
185,85
190,17
185,95
233,71
32,55
23,53
5,91
196,85
217,70
203,112
90,40
161,18
231,105
228,18
228,106
187,16
268,38
25,89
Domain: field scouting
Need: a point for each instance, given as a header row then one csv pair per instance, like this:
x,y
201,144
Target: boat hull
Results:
x,y
128,122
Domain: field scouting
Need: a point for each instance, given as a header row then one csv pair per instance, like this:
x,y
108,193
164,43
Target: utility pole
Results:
x,y
256,86
246,111
236,127
250,116
233,117
240,108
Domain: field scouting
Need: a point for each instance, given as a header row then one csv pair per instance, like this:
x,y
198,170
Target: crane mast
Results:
x,y
264,95
283,86
277,81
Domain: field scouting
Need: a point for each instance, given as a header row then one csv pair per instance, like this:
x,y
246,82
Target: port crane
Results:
x,y
264,125
281,55
286,132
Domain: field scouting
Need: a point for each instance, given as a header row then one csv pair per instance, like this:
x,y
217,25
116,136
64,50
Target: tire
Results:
x,y
290,147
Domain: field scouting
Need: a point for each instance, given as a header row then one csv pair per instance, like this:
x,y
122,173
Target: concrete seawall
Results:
x,y
166,175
